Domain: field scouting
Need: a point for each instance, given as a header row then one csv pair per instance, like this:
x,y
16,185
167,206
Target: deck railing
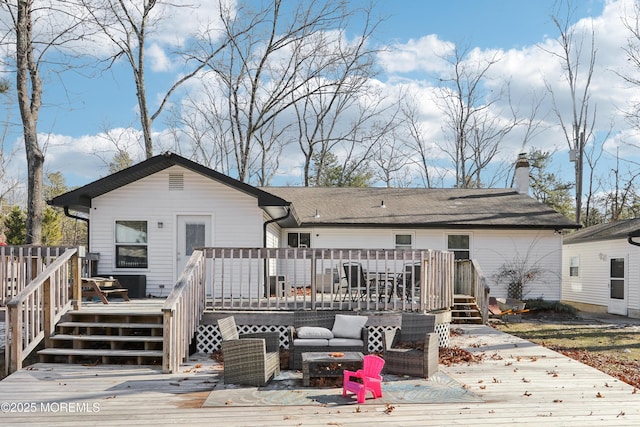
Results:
x,y
310,278
33,313
469,280
21,264
182,312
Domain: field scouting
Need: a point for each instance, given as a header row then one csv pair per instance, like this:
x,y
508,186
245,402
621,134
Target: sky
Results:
x,y
79,106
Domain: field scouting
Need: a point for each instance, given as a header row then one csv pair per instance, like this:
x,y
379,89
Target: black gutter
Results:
x,y
67,214
630,237
266,223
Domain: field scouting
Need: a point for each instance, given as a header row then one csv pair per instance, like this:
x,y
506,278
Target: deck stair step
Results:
x,y
465,310
72,355
106,337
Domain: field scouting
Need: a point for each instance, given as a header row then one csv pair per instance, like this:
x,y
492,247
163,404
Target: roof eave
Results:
x,y
555,227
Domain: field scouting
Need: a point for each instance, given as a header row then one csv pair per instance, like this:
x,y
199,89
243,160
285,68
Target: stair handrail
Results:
x,y
481,290
33,313
182,312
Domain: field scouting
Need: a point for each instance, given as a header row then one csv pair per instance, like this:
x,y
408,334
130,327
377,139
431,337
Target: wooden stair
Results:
x,y
131,338
465,310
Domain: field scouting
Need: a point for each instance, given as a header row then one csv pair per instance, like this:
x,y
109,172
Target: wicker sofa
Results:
x,y
326,330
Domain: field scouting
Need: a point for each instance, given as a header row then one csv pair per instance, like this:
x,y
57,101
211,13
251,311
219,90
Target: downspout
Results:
x,y
266,224
630,237
264,245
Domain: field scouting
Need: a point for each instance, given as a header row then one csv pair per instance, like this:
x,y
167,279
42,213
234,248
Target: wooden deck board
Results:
x,y
519,382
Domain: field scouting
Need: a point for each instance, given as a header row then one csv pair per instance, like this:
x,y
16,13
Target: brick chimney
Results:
x,y
522,174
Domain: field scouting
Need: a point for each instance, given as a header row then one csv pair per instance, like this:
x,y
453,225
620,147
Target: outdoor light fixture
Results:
x,y
160,224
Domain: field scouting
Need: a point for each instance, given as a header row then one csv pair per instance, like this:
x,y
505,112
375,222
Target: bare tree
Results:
x,y
419,148
577,123
128,25
199,130
285,68
632,50
391,158
472,125
339,103
592,156
7,155
35,30
618,202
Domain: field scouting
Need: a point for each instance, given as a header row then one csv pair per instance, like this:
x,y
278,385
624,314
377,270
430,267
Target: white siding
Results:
x,y
541,249
491,248
591,284
273,233
237,220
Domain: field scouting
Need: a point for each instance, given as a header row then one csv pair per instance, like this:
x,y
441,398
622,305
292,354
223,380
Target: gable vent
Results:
x,y
176,182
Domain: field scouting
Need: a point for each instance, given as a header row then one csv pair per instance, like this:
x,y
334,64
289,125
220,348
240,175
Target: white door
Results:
x,y
193,231
617,286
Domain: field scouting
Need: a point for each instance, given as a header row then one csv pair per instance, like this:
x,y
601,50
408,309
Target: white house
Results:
x,y
144,220
601,268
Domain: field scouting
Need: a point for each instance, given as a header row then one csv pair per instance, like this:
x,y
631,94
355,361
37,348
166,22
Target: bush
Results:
x,y
538,304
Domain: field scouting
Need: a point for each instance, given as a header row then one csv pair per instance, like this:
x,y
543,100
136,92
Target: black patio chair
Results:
x,y
408,285
357,282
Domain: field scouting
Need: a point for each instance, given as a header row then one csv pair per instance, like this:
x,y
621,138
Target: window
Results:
x,y
459,245
194,237
299,240
131,244
574,266
404,241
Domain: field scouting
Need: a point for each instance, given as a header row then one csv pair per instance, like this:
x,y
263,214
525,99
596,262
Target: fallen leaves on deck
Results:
x,y
456,355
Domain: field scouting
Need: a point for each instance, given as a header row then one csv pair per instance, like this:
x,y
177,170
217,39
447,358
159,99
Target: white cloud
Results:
x,y
159,60
424,54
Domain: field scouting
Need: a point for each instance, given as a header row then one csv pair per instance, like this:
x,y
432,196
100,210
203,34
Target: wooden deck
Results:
x,y
520,383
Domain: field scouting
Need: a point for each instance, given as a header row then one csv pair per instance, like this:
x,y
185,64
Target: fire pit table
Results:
x,y
329,365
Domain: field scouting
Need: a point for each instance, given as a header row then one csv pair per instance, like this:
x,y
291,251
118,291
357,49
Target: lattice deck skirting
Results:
x,y
209,336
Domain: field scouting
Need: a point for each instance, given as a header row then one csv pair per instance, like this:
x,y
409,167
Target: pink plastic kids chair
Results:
x,y
369,378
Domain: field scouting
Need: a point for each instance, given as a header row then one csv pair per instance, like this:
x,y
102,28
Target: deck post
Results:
x,y
423,283
313,280
169,340
48,308
76,280
15,337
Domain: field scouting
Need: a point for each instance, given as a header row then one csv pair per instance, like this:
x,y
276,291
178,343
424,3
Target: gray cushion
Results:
x,y
317,342
346,326
314,332
344,342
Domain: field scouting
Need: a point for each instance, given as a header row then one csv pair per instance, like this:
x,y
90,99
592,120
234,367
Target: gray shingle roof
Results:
x,y
608,231
354,207
413,207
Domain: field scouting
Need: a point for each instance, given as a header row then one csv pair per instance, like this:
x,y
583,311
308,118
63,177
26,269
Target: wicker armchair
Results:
x,y
251,359
412,349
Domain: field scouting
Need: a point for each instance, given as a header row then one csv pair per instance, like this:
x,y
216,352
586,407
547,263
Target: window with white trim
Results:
x,y
574,266
459,244
131,244
299,240
404,241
